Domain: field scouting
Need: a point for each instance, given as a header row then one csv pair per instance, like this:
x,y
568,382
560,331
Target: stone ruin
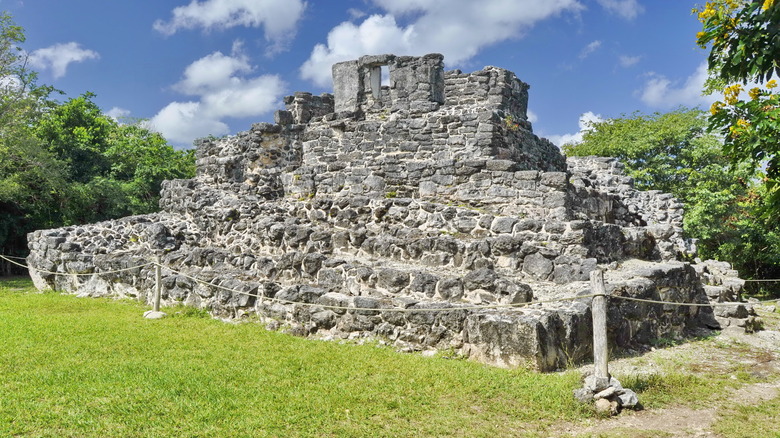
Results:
x,y
430,192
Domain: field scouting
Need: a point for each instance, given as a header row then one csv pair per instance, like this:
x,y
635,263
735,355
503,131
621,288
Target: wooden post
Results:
x,y
599,309
157,283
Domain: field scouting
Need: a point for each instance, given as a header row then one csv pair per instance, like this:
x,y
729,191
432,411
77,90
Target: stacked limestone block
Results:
x,y
431,192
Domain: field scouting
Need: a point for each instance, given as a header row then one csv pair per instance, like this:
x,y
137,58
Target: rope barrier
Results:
x,y
394,309
75,273
644,300
386,309
16,258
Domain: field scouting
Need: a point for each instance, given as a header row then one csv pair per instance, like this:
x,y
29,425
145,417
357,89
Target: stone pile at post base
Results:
x,y
429,192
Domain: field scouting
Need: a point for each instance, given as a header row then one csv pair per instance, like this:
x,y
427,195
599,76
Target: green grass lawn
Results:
x,y
750,421
72,367
84,367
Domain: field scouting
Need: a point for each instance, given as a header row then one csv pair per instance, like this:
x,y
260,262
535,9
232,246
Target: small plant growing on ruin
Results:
x,y
510,123
391,194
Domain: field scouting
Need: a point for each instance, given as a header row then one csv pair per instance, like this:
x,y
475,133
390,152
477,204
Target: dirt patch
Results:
x,y
757,355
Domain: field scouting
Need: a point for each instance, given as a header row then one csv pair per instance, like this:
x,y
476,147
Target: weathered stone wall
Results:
x,y
416,84
491,87
352,212
602,191
305,265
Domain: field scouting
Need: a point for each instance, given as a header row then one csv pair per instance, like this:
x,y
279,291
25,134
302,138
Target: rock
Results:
x,y
628,398
753,324
583,395
392,279
537,265
324,319
732,310
503,225
151,314
480,279
423,283
614,407
603,406
606,393
596,384
449,289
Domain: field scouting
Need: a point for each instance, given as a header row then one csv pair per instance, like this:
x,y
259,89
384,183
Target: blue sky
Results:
x,y
200,67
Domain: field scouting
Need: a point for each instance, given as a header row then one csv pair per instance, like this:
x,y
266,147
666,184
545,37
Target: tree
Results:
x,y
79,134
30,177
21,98
745,48
654,147
115,169
141,159
68,163
673,152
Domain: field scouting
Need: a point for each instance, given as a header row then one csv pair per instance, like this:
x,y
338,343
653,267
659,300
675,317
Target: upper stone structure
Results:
x,y
416,84
429,192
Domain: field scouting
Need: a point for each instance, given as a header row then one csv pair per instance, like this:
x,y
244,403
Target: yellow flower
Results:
x,y
736,88
742,123
707,12
731,93
717,106
754,93
699,35
771,84
767,4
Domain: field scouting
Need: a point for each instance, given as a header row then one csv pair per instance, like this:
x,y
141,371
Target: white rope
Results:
x,y
16,258
643,300
74,273
379,309
446,309
393,309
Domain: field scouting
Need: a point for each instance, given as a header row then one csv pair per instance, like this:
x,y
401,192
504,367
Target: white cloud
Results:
x,y
118,113
212,72
224,90
590,48
532,117
661,92
183,122
628,9
584,123
279,18
629,61
10,83
57,57
458,29
355,13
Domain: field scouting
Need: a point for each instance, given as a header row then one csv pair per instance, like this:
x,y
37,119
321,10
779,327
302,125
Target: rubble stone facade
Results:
x,y
429,192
